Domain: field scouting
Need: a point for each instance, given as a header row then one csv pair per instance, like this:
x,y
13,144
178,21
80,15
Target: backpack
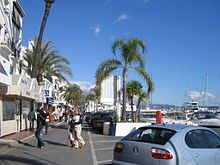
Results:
x,y
31,116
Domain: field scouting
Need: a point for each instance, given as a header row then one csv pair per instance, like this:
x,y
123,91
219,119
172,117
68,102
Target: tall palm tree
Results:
x,y
130,57
50,63
73,94
133,88
142,96
40,37
95,91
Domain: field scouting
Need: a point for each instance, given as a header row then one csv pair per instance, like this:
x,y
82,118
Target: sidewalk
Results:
x,y
13,139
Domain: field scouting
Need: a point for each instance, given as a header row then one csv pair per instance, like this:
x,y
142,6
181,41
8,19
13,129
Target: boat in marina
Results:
x,y
191,106
178,117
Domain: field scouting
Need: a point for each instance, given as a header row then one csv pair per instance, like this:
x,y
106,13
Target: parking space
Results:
x,y
102,148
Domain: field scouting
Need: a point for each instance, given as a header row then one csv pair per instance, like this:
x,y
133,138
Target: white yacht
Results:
x,y
178,117
191,106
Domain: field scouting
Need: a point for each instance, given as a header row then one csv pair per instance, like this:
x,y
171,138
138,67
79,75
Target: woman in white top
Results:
x,y
78,140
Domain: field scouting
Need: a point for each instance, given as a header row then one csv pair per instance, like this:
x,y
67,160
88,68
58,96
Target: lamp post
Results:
x,y
40,37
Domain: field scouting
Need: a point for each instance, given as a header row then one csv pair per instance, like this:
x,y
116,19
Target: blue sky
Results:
x,y
182,36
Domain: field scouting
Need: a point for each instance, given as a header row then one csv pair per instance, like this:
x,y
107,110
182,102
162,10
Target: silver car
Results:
x,y
170,144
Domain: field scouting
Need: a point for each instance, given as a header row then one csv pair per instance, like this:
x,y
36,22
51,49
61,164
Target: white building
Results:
x,y
18,92
11,15
110,94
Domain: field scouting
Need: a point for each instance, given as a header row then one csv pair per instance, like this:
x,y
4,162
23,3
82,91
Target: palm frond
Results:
x,y
146,77
104,71
51,63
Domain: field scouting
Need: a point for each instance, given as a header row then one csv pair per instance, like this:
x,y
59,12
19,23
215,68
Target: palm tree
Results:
x,y
73,95
50,63
142,96
129,54
90,97
40,37
95,91
133,88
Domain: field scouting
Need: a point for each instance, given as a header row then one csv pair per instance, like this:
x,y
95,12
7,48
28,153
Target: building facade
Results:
x,y
19,93
110,94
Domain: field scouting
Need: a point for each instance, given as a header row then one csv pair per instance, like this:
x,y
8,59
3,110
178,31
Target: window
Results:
x,y
213,139
196,139
134,136
8,110
151,135
1,31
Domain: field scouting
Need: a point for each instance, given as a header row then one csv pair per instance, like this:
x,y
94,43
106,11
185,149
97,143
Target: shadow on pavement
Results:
x,y
55,143
9,159
26,144
62,126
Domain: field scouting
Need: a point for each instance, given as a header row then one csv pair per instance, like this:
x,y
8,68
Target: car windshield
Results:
x,y
151,135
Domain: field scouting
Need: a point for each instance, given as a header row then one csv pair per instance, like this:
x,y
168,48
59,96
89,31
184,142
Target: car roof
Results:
x,y
175,127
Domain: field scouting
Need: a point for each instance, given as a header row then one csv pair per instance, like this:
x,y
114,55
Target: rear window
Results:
x,y
151,135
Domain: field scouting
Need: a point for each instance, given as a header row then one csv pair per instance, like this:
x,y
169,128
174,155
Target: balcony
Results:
x,y
10,90
6,47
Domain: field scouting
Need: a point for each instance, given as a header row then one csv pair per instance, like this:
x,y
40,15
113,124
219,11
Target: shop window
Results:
x,y
8,110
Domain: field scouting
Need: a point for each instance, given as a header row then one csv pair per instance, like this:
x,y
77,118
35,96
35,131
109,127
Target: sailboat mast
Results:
x,y
205,91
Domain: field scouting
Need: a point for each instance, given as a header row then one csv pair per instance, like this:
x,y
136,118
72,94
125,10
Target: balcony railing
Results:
x,y
6,47
10,47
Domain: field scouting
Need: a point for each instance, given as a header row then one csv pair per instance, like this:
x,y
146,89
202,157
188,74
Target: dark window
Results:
x,y
8,110
196,139
151,135
213,139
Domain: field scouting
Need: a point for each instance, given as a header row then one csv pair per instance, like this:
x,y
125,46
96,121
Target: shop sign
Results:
x,y
46,93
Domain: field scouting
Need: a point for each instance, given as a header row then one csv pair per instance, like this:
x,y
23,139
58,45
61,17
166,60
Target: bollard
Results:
x,y
159,119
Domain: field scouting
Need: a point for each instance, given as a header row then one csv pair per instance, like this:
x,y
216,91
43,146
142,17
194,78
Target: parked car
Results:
x,y
96,117
169,144
88,116
99,124
205,118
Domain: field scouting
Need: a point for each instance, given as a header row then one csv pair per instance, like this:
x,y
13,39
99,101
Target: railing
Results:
x,y
10,47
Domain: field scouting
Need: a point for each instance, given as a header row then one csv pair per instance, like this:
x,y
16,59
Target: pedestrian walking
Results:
x,y
71,130
47,121
41,121
60,114
32,116
78,139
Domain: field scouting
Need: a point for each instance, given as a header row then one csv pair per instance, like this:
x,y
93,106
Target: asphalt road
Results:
x,y
97,151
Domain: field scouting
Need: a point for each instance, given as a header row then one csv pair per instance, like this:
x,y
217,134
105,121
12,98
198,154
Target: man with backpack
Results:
x,y
32,116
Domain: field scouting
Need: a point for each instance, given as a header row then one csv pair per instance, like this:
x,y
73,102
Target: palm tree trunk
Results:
x,y
40,37
132,109
125,74
138,115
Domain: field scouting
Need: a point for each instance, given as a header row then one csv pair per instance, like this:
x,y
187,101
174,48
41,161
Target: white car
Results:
x,y
168,144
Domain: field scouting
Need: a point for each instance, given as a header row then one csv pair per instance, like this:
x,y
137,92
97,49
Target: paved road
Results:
x,y
98,150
